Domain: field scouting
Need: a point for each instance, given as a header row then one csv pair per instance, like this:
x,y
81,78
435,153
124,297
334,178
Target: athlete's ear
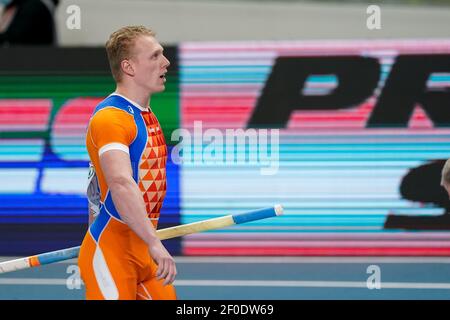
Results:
x,y
127,67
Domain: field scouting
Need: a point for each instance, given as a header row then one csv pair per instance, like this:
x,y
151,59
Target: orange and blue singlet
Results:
x,y
114,262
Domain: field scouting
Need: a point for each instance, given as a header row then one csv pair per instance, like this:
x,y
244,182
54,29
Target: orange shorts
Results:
x,y
115,264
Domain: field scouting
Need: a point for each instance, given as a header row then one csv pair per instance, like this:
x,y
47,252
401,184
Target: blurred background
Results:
x,y
360,96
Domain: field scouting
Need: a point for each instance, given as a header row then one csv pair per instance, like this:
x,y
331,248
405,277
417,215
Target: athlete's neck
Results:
x,y
143,99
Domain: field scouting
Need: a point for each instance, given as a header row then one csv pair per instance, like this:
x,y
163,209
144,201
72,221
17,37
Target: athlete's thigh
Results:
x,y
105,274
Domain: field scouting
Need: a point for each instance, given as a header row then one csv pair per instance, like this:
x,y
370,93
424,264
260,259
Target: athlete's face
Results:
x,y
149,64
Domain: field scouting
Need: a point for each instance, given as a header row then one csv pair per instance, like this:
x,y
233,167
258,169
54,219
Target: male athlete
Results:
x,y
121,257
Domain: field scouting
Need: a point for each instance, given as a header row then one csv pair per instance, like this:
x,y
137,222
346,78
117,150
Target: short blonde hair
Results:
x,y
119,45
445,176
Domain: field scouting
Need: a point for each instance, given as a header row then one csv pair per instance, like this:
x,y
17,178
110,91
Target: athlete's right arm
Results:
x,y
129,203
